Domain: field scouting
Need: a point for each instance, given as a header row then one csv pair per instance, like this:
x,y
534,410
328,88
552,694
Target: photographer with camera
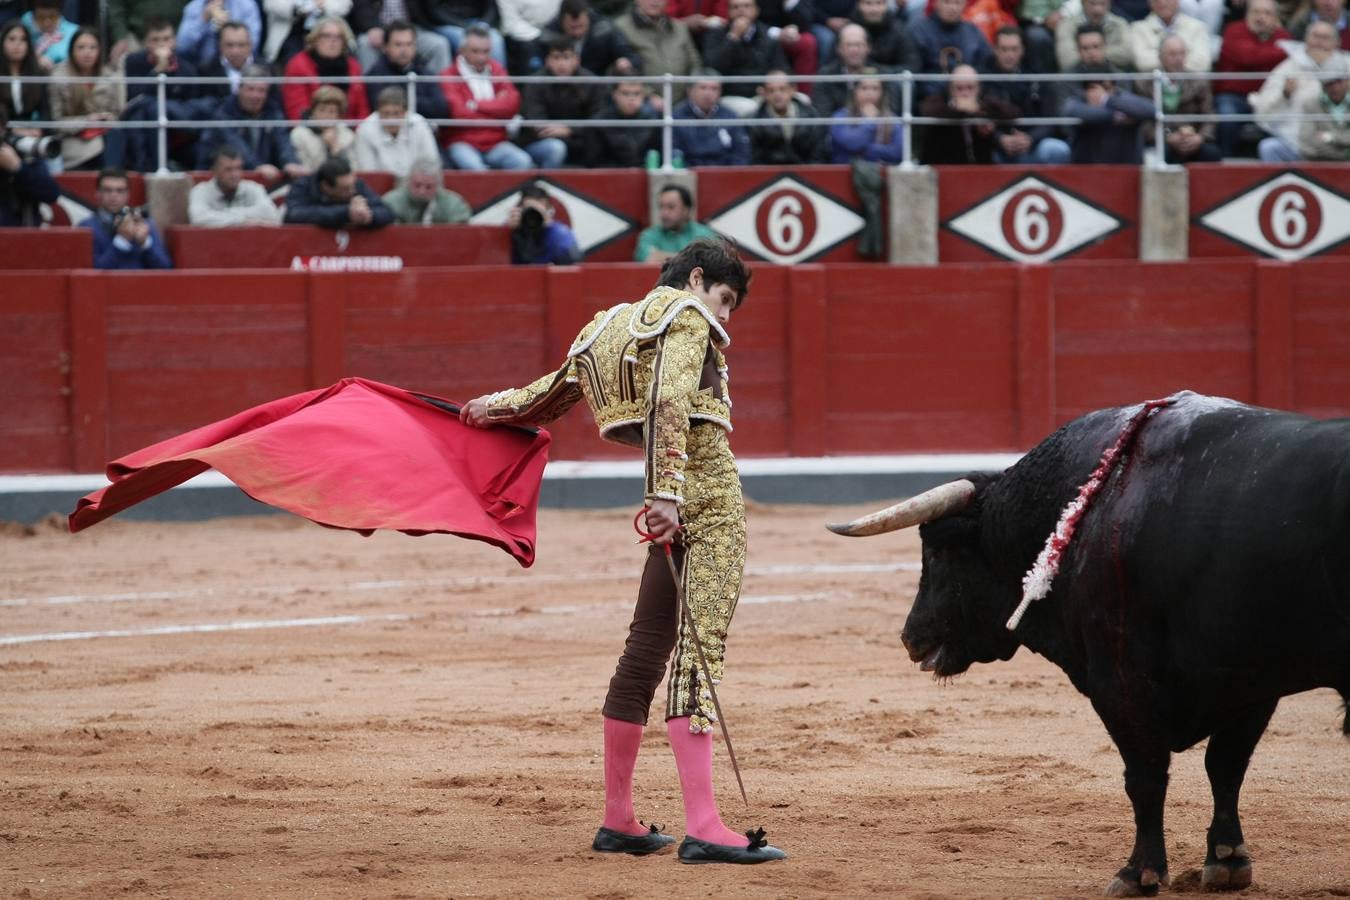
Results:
x,y
24,179
537,240
124,236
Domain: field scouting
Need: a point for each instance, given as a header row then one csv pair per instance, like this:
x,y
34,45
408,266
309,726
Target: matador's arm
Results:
x,y
539,402
676,372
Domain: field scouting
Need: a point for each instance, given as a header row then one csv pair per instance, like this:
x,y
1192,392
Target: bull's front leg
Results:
x,y
1146,785
1228,867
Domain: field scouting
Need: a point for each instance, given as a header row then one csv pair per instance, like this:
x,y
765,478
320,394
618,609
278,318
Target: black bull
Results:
x,y
1209,578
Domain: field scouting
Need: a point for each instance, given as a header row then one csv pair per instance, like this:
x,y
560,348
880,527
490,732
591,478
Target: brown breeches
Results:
x,y
651,638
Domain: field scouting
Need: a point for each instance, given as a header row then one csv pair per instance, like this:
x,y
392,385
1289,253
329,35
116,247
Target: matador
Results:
x,y
655,377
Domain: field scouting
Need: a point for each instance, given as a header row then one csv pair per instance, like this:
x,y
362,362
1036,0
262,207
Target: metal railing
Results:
x,y
906,118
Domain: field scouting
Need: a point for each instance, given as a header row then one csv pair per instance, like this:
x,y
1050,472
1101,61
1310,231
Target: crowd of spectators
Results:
x,y
458,106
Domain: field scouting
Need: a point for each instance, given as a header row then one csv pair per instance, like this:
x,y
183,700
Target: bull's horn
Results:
x,y
928,506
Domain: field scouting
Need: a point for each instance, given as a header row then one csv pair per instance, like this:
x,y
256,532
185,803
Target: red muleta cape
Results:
x,y
358,455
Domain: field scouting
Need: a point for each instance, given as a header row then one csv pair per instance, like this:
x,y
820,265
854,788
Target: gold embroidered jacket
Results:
x,y
648,370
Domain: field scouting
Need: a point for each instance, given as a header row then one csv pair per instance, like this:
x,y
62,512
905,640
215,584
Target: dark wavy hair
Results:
x,y
720,260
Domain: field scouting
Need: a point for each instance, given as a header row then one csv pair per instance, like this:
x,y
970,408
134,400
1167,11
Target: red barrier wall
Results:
x,y
837,359
261,248
46,248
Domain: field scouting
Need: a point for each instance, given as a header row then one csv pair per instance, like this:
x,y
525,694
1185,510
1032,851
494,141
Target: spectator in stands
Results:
x,y
892,47
265,144
128,22
235,52
1329,11
789,22
83,100
536,239
137,148
291,24
327,137
25,182
743,47
326,56
203,21
1039,20
1325,141
421,199
623,147
1110,131
1249,45
125,237
372,19
664,45
1092,56
721,145
945,40
49,32
453,19
852,52
333,197
399,59
552,145
227,198
600,46
785,143
675,228
1183,142
21,100
478,97
1032,99
872,141
1119,41
523,24
391,139
1290,88
978,121
699,16
1165,19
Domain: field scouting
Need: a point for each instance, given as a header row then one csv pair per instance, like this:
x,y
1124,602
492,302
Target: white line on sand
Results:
x,y
525,580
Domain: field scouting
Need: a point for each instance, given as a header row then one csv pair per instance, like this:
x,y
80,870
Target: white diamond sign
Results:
x,y
1287,217
593,225
1033,221
787,221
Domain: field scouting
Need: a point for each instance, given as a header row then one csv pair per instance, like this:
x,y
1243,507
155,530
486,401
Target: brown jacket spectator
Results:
x,y
972,136
1183,142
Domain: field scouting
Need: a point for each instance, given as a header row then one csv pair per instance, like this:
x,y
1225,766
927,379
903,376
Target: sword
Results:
x,y
698,645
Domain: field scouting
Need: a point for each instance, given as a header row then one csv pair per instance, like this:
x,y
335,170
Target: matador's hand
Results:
x,y
475,412
663,520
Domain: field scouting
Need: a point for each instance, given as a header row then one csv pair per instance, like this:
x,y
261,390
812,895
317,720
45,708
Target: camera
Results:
x,y
31,148
531,219
136,212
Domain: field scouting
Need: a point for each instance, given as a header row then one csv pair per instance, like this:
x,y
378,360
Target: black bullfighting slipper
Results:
x,y
694,851
607,840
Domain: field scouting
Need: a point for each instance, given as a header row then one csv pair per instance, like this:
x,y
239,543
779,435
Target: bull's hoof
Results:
x,y
1227,869
1132,882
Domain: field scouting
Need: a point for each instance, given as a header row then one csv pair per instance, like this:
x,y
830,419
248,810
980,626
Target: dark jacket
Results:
x,y
1032,99
138,65
268,143
755,53
1103,139
723,145
942,47
307,205
622,147
435,13
831,96
769,146
365,15
561,100
774,12
891,44
603,45
430,98
828,9
22,191
111,252
964,143
212,93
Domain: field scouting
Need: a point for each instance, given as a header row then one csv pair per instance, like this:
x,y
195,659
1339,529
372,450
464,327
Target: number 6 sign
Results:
x,y
1287,217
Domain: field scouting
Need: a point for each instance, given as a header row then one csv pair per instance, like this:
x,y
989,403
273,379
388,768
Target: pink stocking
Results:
x,y
693,759
622,742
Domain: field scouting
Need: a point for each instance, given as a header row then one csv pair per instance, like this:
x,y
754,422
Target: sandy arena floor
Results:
x,y
444,739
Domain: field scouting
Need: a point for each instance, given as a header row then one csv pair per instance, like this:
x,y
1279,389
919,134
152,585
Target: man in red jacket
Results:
x,y
478,95
1251,45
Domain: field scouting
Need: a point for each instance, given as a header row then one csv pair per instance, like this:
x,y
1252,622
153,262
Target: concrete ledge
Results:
x,y
567,485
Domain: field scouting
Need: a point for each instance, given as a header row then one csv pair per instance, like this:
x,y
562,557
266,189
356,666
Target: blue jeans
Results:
x,y
825,41
1228,132
505,155
1277,149
547,153
455,35
1047,152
